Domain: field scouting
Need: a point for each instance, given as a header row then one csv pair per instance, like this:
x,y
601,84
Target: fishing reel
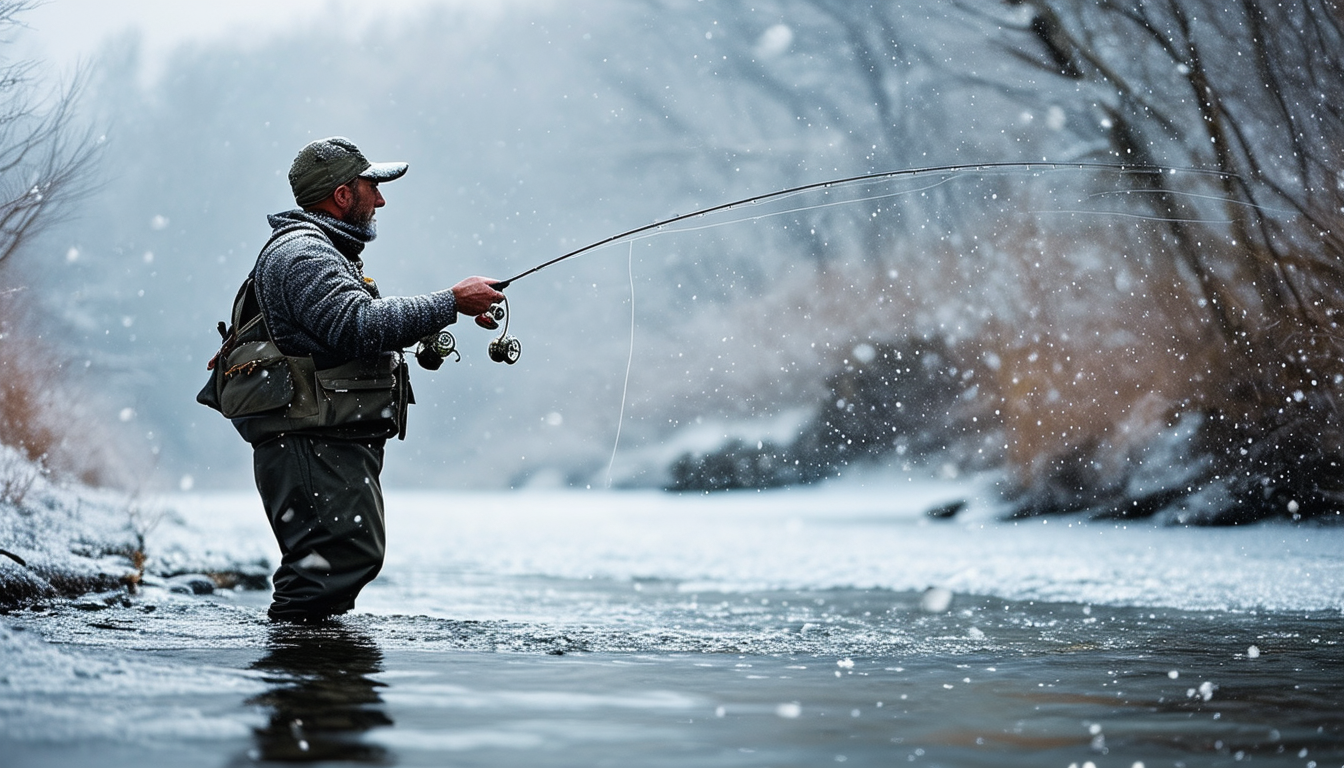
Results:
x,y
431,351
503,348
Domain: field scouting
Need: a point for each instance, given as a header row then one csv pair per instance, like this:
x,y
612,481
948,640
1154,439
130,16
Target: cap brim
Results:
x,y
385,171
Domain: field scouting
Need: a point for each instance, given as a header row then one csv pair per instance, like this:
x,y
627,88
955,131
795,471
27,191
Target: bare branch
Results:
x,y
45,156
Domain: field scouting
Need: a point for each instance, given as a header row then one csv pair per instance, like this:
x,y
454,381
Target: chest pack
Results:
x,y
266,393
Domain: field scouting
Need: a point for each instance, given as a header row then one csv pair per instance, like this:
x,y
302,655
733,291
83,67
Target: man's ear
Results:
x,y
344,197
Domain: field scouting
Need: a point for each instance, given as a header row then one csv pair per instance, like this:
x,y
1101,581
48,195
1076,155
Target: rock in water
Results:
x,y
191,584
946,511
936,600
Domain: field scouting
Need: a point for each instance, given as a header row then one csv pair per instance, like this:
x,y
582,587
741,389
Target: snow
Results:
x,y
59,537
774,41
830,537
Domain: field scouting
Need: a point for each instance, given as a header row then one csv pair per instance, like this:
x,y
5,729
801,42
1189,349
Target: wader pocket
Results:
x,y
254,379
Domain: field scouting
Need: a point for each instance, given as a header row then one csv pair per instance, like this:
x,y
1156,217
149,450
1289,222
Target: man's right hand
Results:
x,y
474,295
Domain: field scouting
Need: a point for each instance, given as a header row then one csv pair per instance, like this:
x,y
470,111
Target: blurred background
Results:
x,y
1125,343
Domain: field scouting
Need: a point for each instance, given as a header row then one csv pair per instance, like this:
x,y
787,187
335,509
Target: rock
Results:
x,y
102,600
20,586
946,511
255,576
191,584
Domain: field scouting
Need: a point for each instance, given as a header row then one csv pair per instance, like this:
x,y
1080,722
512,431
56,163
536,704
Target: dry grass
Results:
x,y
17,476
1082,348
47,417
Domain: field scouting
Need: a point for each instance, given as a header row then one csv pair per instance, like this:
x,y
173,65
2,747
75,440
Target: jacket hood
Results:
x,y
349,239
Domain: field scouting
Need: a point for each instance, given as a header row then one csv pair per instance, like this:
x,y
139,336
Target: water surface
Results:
x,y
790,629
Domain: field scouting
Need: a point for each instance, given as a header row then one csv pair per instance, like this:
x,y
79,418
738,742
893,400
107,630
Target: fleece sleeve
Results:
x,y
322,296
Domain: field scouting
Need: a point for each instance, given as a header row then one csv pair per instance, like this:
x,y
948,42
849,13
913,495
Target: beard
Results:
x,y
361,213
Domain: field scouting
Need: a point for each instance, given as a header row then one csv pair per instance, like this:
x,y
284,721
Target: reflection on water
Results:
x,y
321,698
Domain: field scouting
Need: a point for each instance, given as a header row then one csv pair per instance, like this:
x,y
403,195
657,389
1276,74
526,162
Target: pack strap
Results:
x,y
248,297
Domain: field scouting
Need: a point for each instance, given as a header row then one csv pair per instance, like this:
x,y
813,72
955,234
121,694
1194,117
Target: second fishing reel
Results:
x,y
434,348
431,351
503,348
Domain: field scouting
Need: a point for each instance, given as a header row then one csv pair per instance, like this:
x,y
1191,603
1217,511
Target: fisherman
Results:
x,y
319,476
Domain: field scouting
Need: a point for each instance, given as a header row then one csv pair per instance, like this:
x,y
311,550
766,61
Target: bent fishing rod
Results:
x,y
507,349
878,176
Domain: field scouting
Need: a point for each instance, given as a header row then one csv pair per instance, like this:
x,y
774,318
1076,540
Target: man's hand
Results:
x,y
474,295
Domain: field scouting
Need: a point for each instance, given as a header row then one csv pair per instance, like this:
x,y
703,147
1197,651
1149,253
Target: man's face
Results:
x,y
365,200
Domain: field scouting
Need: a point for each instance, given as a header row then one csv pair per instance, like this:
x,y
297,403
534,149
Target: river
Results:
x,y
799,627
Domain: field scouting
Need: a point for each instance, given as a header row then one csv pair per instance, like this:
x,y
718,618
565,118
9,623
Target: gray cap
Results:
x,y
326,164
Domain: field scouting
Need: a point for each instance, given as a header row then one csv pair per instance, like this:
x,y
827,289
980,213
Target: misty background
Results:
x,y
1075,330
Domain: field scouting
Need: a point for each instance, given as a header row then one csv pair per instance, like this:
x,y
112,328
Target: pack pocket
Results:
x,y
359,393
255,379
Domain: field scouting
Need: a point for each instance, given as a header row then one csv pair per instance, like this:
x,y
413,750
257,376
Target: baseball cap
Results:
x,y
326,164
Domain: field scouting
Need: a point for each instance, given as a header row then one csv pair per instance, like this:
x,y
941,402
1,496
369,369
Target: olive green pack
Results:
x,y
266,393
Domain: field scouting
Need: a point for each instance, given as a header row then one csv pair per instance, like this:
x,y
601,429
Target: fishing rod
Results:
x,y
507,349
878,176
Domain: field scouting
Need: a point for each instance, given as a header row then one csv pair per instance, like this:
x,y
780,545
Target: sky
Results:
x,y
65,32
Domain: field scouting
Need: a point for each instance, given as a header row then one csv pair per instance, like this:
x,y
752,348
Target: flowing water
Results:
x,y
792,628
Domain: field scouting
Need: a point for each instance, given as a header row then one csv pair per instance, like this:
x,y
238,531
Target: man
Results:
x,y
319,480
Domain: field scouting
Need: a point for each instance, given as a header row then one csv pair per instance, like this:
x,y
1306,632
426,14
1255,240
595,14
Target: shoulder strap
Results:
x,y
244,305
248,302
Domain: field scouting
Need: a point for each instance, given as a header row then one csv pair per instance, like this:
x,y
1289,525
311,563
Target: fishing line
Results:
x,y
630,358
801,209
1177,193
960,168
1139,216
952,172
630,268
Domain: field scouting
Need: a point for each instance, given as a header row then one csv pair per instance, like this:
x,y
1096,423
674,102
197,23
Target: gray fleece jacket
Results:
x,y
312,289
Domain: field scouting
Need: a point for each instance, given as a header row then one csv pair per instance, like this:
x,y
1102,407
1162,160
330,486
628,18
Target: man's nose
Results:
x,y
378,201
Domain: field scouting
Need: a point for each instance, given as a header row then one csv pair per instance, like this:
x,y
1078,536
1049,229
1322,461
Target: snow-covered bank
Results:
x,y
445,548
60,539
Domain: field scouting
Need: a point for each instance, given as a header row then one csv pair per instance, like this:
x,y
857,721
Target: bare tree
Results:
x,y
1240,88
45,157
1244,88
1242,270
45,164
